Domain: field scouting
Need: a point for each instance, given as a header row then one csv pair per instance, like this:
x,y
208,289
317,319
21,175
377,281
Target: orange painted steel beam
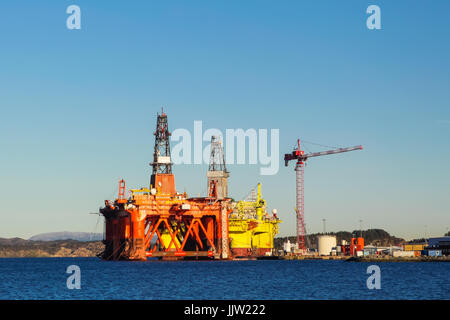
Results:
x,y
160,240
187,235
171,234
197,237
206,234
183,254
149,238
175,234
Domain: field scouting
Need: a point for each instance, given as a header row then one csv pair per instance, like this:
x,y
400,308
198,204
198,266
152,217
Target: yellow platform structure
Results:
x,y
251,229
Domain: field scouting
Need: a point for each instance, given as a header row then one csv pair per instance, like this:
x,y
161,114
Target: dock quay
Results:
x,y
399,259
367,259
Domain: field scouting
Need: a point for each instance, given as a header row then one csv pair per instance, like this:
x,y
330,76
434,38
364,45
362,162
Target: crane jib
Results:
x,y
324,153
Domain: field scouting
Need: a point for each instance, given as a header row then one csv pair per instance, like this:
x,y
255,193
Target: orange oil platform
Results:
x,y
160,222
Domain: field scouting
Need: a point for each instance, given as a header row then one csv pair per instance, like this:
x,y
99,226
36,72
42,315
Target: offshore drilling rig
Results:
x,y
160,222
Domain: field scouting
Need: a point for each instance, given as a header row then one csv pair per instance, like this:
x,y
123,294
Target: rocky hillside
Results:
x,y
19,248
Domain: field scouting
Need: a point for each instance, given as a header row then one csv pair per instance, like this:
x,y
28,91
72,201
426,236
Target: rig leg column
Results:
x,y
138,236
224,228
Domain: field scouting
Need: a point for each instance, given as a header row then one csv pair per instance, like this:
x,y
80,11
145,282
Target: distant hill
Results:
x,y
66,235
12,241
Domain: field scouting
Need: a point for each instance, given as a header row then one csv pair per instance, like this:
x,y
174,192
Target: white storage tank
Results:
x,y
287,246
325,244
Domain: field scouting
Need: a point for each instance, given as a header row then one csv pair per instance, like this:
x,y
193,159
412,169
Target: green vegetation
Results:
x,y
417,241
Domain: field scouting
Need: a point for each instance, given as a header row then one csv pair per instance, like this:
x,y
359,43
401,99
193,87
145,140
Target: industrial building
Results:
x,y
438,247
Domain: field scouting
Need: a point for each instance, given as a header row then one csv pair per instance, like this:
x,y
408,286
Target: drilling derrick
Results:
x,y
218,187
217,172
162,177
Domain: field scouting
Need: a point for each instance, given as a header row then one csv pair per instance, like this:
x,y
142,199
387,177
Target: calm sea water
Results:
x,y
45,278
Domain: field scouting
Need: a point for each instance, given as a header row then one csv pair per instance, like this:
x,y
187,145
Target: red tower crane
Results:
x,y
301,157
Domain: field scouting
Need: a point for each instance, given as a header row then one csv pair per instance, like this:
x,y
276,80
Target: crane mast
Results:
x,y
300,157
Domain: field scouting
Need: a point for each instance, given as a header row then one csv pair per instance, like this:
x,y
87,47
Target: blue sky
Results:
x,y
78,106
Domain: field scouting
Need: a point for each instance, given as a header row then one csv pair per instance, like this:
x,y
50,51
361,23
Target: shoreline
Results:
x,y
371,258
304,258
